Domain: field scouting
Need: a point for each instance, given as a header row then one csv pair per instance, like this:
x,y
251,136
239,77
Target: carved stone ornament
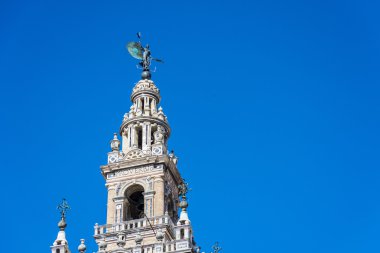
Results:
x,y
149,181
113,158
115,143
133,171
157,150
145,85
159,135
118,187
133,154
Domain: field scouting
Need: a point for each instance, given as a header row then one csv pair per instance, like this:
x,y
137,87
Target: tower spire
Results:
x,y
60,244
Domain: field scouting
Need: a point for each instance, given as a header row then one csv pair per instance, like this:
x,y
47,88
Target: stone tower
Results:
x,y
144,185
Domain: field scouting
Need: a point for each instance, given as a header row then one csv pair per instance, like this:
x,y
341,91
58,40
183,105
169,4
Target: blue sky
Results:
x,y
274,108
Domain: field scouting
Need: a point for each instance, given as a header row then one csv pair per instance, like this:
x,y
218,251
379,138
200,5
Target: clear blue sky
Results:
x,y
274,107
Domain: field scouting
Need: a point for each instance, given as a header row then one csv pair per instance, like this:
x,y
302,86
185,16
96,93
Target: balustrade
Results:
x,y
133,224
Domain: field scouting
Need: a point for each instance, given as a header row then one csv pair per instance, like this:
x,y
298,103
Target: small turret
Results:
x,y
60,244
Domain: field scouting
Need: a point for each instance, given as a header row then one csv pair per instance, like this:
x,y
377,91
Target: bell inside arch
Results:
x,y
136,204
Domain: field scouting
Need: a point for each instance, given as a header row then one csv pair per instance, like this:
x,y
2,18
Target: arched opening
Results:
x,y
182,234
135,207
139,137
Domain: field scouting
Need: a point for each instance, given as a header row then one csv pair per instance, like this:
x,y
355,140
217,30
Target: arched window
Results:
x,y
134,209
57,251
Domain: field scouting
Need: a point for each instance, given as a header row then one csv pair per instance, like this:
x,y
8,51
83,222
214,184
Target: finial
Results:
x,y
102,245
121,239
137,51
183,189
173,157
115,143
63,207
82,248
62,224
138,239
159,235
216,247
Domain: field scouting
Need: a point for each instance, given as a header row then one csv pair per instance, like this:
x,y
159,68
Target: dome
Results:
x,y
146,87
82,247
62,224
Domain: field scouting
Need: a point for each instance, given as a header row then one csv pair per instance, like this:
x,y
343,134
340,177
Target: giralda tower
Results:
x,y
145,189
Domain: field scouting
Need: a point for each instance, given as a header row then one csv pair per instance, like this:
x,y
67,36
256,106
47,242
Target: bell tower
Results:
x,y
141,177
145,188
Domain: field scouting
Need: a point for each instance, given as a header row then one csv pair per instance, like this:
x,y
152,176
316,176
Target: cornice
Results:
x,y
140,119
144,161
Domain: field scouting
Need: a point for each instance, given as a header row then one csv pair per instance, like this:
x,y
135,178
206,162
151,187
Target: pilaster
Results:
x,y
149,204
159,202
111,204
121,205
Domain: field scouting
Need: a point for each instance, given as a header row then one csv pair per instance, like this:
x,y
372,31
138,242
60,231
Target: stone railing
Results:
x,y
133,225
169,246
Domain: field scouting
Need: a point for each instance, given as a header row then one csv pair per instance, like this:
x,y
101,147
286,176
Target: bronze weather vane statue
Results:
x,y
183,189
137,51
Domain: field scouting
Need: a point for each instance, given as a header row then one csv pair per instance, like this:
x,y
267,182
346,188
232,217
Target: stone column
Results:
x,y
126,141
134,136
146,141
187,233
144,130
139,107
146,106
178,233
153,107
159,198
130,137
111,204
